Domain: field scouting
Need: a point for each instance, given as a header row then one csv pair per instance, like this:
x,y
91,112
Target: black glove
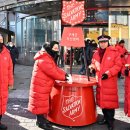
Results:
x,y
122,56
88,71
104,76
126,72
91,71
125,53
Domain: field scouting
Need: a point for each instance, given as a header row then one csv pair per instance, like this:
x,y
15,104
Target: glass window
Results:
x,y
118,26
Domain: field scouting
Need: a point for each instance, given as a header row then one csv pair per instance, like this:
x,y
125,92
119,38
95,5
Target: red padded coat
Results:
x,y
106,91
6,78
127,90
45,72
122,51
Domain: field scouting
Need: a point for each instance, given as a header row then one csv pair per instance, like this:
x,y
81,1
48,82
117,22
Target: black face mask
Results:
x,y
1,47
55,55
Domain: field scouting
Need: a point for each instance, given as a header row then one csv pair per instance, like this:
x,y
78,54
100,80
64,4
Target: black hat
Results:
x,y
121,41
103,38
52,43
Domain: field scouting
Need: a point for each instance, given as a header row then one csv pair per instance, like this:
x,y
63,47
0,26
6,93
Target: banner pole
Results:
x,y
71,60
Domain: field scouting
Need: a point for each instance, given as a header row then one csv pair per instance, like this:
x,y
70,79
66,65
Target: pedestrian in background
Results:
x,y
77,56
122,50
87,47
44,74
6,79
13,52
84,54
82,70
107,63
91,50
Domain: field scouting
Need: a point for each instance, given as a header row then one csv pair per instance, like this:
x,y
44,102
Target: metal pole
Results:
x,y
71,60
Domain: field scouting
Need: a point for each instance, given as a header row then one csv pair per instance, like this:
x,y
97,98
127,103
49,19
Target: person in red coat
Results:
x,y
44,74
126,72
6,79
107,63
122,50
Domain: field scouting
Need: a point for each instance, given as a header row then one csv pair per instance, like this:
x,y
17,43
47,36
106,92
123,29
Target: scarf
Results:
x,y
101,53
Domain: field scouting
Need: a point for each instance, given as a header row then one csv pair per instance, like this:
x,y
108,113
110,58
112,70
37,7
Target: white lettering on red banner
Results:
x,y
72,36
73,12
72,106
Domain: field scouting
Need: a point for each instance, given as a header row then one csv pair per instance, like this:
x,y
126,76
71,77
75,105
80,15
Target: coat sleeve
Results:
x,y
10,72
116,67
93,61
51,69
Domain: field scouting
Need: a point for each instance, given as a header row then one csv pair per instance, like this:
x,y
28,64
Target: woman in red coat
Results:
x,y
45,72
107,63
6,78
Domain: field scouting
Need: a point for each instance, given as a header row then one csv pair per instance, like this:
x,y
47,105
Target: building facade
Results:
x,y
38,21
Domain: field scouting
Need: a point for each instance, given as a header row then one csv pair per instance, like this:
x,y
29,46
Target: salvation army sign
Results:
x,y
73,12
72,37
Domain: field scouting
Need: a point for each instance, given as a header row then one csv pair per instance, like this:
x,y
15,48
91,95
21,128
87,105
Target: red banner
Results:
x,y
72,37
73,12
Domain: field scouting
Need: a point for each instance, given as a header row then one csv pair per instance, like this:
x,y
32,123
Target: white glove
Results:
x,y
91,68
69,79
10,87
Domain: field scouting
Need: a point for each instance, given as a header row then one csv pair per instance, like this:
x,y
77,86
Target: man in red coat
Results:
x,y
107,63
45,72
6,79
122,51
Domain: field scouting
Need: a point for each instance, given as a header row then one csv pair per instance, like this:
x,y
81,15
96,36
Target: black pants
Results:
x,y
13,67
0,117
119,74
109,115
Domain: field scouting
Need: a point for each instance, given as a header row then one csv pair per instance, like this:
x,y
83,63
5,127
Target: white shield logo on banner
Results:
x,y
72,106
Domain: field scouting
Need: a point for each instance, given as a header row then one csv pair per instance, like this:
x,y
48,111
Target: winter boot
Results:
x,y
43,123
3,127
102,122
110,125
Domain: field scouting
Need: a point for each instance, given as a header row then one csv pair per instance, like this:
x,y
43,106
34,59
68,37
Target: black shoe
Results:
x,y
102,122
110,127
3,127
128,128
46,126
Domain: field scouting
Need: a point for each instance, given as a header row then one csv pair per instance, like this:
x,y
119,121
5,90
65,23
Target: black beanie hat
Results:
x,y
121,41
52,43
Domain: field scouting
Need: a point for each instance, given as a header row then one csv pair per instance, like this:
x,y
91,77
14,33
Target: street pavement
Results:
x,y
18,117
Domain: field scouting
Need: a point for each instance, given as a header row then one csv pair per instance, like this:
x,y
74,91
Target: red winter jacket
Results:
x,y
6,78
122,51
45,72
107,93
127,90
